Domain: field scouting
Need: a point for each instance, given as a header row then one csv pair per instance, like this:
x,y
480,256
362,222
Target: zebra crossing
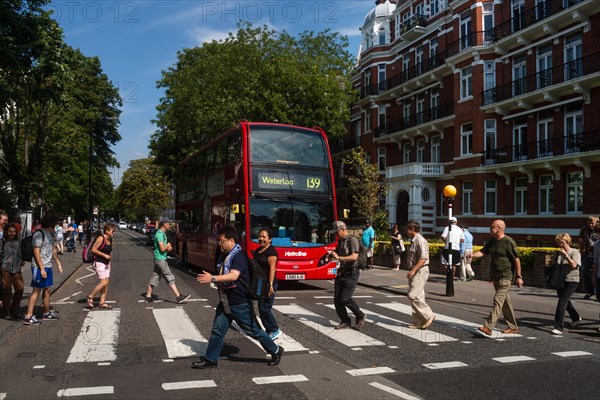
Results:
x,y
98,338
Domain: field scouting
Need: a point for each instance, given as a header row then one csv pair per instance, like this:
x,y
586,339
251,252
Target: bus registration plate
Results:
x,y
293,277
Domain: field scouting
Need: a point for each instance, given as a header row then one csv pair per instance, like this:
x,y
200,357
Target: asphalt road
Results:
x,y
143,350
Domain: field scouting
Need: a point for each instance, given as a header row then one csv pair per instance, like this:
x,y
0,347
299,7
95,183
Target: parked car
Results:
x,y
122,225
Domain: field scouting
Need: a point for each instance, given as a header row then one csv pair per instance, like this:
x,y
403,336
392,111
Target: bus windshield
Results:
x,y
287,145
293,223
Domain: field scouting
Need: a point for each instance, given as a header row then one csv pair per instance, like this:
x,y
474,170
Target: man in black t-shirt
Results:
x,y
235,304
347,276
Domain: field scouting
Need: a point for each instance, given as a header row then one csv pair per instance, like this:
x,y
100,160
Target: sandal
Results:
x,y
90,302
105,306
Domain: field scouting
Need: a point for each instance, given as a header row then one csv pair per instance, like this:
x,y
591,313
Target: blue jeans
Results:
x,y
587,264
564,304
265,310
243,315
345,283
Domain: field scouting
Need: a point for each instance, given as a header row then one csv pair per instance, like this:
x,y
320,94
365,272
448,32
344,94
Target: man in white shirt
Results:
x,y
453,236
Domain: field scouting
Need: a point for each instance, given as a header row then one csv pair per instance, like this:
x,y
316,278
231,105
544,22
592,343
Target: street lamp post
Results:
x,y
88,233
449,193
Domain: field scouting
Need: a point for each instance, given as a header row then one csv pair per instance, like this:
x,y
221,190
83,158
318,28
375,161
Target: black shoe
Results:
x,y
149,299
343,325
360,322
203,364
183,297
276,357
587,296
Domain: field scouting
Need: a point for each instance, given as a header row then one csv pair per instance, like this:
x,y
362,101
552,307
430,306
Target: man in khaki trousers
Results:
x,y
418,264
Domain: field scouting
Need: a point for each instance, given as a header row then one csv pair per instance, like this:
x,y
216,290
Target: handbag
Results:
x,y
397,249
555,278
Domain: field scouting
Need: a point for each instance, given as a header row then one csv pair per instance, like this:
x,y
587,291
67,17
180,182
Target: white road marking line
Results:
x,y
265,380
78,280
285,298
2,396
323,297
85,391
370,371
362,297
39,366
63,302
288,343
446,320
103,364
572,353
166,360
179,333
188,300
188,385
402,328
97,340
442,365
348,337
393,391
68,297
510,359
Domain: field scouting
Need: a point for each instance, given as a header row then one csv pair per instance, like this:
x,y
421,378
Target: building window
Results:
x,y
425,195
368,121
381,158
406,153
405,67
368,158
521,196
466,139
435,149
381,119
544,138
433,49
465,30
381,76
421,150
574,192
519,84
467,197
381,36
466,82
357,132
488,22
573,128
490,196
434,7
489,140
546,194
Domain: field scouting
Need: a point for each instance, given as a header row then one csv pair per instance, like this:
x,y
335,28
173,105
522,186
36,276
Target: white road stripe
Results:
x,y
572,353
288,343
97,340
39,366
85,391
370,371
78,280
395,392
265,380
401,327
188,385
285,298
442,365
2,396
446,320
68,297
179,333
348,337
505,360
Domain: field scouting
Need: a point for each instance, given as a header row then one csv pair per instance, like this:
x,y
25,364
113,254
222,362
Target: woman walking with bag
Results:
x,y
397,247
11,273
101,249
266,258
567,260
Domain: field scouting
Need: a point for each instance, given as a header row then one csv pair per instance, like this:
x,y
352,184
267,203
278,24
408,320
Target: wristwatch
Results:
x,y
519,277
213,280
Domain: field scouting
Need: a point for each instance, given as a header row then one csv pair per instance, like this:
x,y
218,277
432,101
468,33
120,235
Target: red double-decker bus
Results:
x,y
260,175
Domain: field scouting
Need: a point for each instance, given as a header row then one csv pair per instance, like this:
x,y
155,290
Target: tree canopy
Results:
x,y
144,191
52,100
258,75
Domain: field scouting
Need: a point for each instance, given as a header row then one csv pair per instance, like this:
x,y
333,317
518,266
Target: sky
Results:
x,y
136,40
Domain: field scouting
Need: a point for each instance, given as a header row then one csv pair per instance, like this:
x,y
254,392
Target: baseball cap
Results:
x,y
453,219
337,225
165,221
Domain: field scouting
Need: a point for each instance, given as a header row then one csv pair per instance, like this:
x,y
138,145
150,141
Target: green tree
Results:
x,y
363,180
256,74
143,191
51,98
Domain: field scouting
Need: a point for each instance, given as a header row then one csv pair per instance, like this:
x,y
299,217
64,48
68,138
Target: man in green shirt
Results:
x,y
161,267
505,259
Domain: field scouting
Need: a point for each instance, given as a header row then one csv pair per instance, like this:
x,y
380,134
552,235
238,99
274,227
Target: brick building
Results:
x,y
499,98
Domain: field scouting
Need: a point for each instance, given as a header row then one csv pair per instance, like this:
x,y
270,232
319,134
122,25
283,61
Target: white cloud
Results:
x,y
202,34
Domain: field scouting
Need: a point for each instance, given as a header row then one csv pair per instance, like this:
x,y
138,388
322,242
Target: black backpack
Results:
x,y
361,261
27,246
258,288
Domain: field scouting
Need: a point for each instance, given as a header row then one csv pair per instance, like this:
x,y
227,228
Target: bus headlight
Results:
x,y
326,259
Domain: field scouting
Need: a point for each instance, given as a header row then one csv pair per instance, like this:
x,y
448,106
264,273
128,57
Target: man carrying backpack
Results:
x,y
347,276
235,302
41,269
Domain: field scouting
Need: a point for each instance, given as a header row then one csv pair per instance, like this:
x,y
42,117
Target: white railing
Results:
x,y
423,169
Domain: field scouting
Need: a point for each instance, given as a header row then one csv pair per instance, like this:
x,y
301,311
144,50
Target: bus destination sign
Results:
x,y
291,181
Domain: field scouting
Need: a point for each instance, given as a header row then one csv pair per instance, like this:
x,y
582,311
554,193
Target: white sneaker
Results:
x,y
575,324
556,332
276,334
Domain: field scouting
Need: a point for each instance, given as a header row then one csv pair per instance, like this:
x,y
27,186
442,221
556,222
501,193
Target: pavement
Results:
x,y
379,278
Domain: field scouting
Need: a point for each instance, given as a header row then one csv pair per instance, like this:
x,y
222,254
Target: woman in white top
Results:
x,y
569,260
